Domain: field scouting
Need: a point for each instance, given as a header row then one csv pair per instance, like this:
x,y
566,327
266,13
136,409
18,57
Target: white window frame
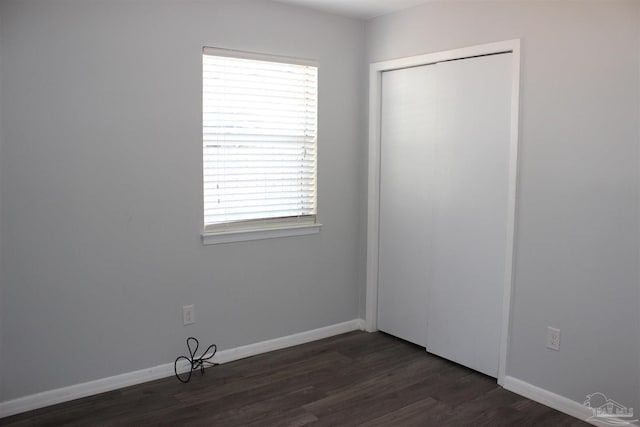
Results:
x,y
269,227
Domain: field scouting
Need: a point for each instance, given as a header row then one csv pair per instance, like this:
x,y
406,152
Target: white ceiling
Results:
x,y
361,9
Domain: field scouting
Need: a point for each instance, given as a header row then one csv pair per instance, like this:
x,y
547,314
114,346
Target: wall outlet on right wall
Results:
x,y
553,338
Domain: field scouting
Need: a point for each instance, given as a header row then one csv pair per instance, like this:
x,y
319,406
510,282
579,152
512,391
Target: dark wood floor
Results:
x,y
353,379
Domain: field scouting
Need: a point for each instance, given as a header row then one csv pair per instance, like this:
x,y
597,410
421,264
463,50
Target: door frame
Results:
x,y
373,216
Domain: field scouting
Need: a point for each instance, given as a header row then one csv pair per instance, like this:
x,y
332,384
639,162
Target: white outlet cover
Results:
x,y
553,338
188,315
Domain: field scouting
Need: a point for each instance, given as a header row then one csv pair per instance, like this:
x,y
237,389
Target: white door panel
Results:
x,y
468,254
408,124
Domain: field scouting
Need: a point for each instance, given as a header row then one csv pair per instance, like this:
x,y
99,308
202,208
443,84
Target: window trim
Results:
x,y
266,228
243,235
242,54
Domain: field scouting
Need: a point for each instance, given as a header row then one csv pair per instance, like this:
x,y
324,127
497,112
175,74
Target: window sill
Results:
x,y
214,238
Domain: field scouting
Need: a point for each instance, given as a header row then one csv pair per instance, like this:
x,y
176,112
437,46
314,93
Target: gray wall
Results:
x,y
576,265
101,192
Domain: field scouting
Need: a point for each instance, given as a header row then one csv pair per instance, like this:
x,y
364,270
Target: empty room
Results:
x,y
350,212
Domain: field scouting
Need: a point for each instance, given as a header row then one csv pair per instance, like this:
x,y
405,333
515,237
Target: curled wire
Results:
x,y
193,361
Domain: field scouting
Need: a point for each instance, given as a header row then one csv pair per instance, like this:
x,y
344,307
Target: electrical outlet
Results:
x,y
553,338
188,315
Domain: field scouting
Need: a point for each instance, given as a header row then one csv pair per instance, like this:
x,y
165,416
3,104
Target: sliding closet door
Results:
x,y
445,141
406,191
466,285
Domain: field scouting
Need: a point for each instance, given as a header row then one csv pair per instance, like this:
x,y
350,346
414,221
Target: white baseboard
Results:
x,y
555,401
76,391
288,341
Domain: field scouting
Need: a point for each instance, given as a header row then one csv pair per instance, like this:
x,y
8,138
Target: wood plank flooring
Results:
x,y
355,379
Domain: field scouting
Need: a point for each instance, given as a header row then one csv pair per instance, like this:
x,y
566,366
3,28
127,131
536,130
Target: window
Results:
x,y
259,136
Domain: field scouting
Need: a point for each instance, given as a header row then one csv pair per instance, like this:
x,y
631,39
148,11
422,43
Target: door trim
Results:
x,y
373,216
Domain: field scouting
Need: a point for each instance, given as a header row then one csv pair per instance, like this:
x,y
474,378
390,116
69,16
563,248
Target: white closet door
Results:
x,y
406,188
445,140
469,244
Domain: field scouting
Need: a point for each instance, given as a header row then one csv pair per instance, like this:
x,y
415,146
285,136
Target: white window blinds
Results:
x,y
259,141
